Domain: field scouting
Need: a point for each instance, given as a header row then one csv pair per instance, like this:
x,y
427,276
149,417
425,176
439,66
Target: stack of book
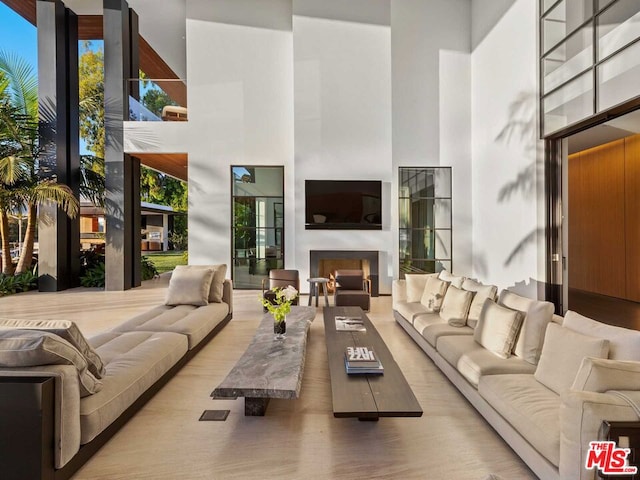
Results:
x,y
349,324
361,360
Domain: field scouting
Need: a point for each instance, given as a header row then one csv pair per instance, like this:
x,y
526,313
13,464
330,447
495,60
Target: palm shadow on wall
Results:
x,y
520,130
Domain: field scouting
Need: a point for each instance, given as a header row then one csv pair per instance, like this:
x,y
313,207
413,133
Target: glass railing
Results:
x,y
156,100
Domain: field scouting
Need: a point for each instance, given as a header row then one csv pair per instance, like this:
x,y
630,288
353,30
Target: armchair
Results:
x,y
279,278
352,289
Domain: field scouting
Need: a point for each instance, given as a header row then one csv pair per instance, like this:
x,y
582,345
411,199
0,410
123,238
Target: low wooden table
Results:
x,y
270,368
367,397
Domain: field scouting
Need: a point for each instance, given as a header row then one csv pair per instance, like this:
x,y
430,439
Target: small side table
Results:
x,y
314,287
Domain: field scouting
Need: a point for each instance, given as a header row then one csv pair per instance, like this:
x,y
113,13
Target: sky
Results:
x,y
17,35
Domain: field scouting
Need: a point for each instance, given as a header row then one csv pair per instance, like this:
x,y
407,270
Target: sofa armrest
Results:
x,y
227,293
66,442
581,415
398,292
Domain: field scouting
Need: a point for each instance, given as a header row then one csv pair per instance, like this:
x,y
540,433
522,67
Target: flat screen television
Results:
x,y
343,204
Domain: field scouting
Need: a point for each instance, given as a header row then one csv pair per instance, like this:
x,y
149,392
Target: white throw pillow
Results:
x,y
455,306
67,330
454,280
601,375
624,344
433,294
189,286
415,283
30,348
538,314
498,328
562,355
217,284
482,292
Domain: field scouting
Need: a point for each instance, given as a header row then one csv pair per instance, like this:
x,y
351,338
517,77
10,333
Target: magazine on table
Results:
x,y
360,360
349,324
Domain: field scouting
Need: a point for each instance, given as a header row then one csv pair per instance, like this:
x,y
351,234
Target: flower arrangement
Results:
x,y
282,305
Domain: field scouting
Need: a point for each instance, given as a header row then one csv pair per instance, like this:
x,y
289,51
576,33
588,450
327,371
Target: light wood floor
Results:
x,y
297,438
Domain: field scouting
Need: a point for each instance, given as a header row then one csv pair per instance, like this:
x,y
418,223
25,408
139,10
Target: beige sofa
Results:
x,y
548,395
131,362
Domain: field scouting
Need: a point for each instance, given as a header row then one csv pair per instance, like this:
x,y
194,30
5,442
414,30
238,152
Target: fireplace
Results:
x,y
322,261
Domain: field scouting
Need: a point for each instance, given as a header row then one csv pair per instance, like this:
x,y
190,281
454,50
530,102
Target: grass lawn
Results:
x,y
166,261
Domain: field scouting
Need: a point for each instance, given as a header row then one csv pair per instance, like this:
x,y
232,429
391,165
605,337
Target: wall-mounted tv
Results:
x,y
343,204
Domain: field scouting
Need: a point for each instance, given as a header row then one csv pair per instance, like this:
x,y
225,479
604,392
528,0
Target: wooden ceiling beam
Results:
x,y
90,28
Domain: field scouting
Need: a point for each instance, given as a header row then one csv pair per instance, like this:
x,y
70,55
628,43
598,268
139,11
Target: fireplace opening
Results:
x,y
327,268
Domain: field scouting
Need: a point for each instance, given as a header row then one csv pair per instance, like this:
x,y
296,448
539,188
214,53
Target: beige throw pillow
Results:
x,y
217,284
562,355
454,280
433,294
538,314
601,375
189,286
498,328
482,292
455,306
30,348
415,283
65,329
624,344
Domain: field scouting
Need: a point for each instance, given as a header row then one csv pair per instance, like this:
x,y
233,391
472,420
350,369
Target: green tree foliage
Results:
x,y
156,187
91,71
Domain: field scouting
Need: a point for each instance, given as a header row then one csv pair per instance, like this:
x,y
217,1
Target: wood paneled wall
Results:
x,y
604,219
632,214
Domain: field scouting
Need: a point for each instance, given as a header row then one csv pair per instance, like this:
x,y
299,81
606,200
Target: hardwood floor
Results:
x,y
297,438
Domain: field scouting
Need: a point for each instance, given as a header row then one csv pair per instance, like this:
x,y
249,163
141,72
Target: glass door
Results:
x,y
257,224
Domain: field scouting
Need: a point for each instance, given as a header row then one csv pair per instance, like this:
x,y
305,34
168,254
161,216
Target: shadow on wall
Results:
x,y
521,131
531,288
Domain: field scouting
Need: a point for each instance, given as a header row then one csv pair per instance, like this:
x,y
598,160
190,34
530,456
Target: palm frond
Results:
x,y
61,195
23,82
12,170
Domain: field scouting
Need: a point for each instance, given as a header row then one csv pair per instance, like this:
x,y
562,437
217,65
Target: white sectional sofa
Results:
x,y
100,382
545,383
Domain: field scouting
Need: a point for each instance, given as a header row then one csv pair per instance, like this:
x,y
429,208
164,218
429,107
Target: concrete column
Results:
x,y
58,235
165,232
122,172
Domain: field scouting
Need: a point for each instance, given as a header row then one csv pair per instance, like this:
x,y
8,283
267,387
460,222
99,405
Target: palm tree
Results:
x,y
23,185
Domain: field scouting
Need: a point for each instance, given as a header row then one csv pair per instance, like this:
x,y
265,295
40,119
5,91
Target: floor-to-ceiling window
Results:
x,y
424,200
257,223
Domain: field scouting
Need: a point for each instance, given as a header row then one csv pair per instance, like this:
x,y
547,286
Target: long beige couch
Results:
x,y
131,363
548,395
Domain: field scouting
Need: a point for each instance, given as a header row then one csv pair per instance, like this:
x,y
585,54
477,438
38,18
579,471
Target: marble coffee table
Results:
x,y
270,368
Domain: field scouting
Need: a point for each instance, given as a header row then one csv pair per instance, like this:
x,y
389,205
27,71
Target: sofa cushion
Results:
x,y
134,361
194,322
601,375
624,344
415,283
474,361
424,320
434,291
189,286
409,310
455,306
432,333
448,277
31,348
537,315
498,328
67,330
482,292
216,288
531,408
562,356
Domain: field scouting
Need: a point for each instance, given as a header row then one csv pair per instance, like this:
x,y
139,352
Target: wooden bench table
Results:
x,y
367,397
270,368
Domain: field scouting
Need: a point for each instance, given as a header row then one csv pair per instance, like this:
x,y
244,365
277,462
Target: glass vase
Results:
x,y
280,329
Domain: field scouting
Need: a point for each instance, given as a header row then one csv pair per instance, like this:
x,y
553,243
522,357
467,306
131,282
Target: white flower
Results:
x,y
290,293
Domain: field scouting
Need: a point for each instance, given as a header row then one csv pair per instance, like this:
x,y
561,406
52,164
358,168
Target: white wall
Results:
x,y
508,200
240,81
